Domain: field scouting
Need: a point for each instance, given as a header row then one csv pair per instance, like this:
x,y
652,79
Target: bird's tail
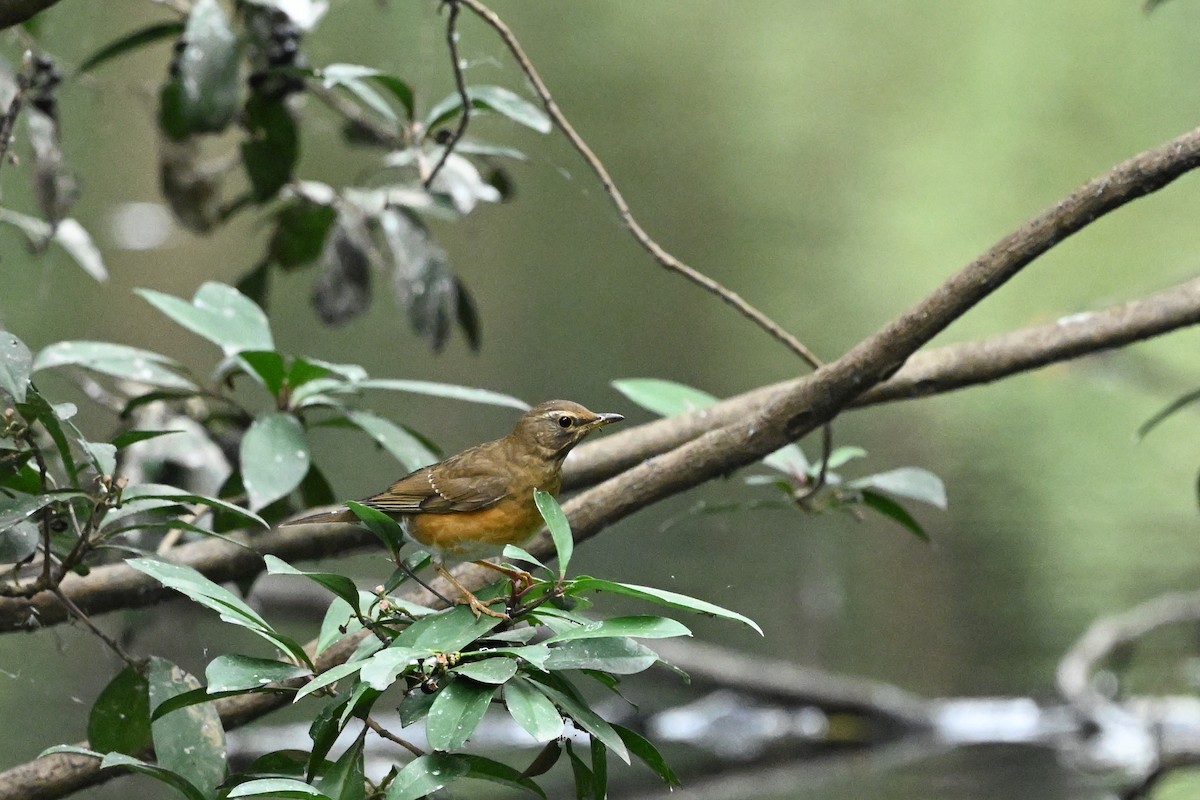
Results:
x,y
342,515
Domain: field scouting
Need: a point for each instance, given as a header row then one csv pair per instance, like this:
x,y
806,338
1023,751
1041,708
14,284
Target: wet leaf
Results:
x,y
130,42
274,458
491,98
203,97
189,742
15,366
118,360
532,710
560,529
120,718
232,672
456,712
219,313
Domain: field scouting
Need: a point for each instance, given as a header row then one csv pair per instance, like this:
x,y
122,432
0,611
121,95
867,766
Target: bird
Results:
x,y
469,506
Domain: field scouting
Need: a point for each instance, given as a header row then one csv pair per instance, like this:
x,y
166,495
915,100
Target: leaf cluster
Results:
x,y
441,670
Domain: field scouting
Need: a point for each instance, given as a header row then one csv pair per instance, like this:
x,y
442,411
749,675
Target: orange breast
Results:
x,y
472,535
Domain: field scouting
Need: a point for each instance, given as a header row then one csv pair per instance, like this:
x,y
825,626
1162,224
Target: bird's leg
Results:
x,y
412,574
477,605
521,580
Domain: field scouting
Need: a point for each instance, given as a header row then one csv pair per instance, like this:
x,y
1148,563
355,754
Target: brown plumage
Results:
x,y
471,505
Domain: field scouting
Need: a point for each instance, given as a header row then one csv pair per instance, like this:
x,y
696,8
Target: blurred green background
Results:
x,y
831,162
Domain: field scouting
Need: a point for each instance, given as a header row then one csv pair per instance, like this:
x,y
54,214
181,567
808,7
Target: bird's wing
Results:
x,y
457,484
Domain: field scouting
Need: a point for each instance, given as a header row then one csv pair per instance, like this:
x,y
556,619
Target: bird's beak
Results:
x,y
603,419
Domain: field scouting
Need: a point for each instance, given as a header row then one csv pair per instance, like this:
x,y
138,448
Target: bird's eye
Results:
x,y
565,422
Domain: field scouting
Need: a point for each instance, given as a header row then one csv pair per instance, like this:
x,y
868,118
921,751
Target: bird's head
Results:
x,y
554,427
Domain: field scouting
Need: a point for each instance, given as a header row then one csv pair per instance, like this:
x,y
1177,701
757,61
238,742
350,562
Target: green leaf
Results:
x,y
190,741
644,749
274,458
534,654
843,455
272,146
426,774
893,511
488,670
204,95
161,491
15,366
339,622
127,438
1171,408
560,529
219,313
351,77
448,632
665,398
232,608
301,226
266,366
644,627
570,702
581,772
599,770
37,408
120,718
456,713
329,676
276,787
449,391
382,669
660,596
511,551
387,529
18,543
202,695
404,447
619,656
912,482
485,769
18,509
344,779
789,459
118,360
491,98
131,42
232,672
532,710
340,585
161,774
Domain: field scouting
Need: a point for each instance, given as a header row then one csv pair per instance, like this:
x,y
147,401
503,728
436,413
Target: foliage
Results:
x,y
240,78
62,509
805,485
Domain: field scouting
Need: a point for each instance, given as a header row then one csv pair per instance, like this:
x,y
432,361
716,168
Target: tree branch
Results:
x,y
814,400
928,372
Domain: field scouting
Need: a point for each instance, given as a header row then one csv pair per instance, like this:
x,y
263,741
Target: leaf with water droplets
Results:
x,y
274,457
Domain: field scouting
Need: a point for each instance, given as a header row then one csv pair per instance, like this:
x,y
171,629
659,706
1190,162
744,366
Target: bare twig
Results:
x,y
391,737
101,635
656,251
460,82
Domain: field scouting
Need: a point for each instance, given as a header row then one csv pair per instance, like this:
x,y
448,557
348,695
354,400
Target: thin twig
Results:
x,y
391,737
460,82
104,637
656,251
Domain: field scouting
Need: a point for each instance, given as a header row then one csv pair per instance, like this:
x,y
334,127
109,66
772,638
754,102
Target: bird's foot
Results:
x,y
480,607
521,580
